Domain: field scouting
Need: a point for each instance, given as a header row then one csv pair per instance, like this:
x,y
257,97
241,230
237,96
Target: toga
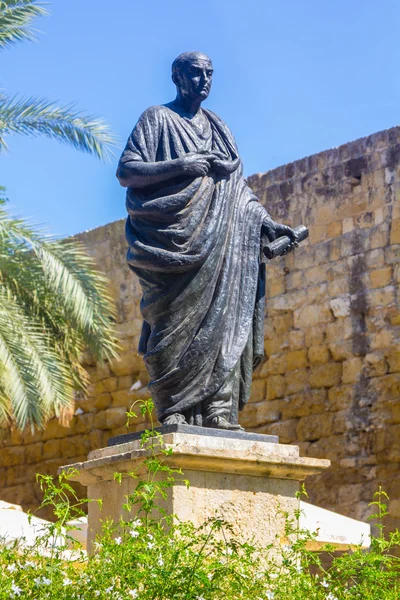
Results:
x,y
195,244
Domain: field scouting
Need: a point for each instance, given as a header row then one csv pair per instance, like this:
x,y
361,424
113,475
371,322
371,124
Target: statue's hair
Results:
x,y
185,58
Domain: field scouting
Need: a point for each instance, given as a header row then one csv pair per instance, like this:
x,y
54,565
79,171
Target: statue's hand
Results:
x,y
224,167
276,230
195,164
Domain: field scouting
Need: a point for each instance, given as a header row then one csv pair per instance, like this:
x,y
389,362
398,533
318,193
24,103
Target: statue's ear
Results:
x,y
176,78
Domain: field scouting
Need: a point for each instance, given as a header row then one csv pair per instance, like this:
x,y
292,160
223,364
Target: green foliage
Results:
x,y
37,116
53,302
15,19
53,305
152,556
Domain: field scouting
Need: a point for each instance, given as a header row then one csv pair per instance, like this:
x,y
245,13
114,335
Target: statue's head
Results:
x,y
192,74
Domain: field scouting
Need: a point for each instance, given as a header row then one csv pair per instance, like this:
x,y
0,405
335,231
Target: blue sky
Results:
x,y
291,78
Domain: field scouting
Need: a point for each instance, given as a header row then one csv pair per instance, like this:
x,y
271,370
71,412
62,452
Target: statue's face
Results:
x,y
195,78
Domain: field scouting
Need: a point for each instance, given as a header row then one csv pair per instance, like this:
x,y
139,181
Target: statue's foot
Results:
x,y
176,419
222,423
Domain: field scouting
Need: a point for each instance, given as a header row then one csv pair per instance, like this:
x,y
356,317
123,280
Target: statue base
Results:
x,y
247,479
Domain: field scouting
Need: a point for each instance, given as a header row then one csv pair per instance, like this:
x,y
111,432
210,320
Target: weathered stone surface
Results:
x,y
242,480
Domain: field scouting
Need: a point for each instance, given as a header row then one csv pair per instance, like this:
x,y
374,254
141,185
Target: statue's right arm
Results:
x,y
139,174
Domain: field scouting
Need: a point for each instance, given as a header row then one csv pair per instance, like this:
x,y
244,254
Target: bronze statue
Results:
x,y
195,232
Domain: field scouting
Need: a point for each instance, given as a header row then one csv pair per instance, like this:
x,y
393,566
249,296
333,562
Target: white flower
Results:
x,y
97,545
28,564
160,562
151,537
299,569
210,576
42,581
270,595
324,583
97,593
110,589
118,540
229,551
134,593
16,590
136,523
330,596
12,568
134,533
67,581
200,598
150,545
273,575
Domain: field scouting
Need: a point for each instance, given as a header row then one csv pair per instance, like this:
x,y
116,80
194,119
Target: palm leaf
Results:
x,y
53,306
37,116
15,18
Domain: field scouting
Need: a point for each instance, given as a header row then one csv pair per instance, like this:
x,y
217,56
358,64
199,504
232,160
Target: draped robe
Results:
x,y
194,243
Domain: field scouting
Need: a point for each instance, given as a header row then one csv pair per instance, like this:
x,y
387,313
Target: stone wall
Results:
x,y
331,378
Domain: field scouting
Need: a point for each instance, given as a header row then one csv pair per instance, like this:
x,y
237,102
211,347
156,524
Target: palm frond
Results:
x,y
33,376
15,19
37,116
53,305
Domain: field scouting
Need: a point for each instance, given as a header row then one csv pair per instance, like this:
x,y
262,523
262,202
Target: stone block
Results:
x,y
285,430
275,365
393,358
110,384
380,277
375,365
12,455
84,423
103,401
326,375
382,296
317,294
352,369
51,449
115,417
395,232
122,398
312,315
316,274
340,397
314,336
127,364
314,427
275,286
318,355
283,323
334,229
340,306
303,404
34,453
75,446
296,381
276,387
228,477
257,390
296,339
54,430
296,359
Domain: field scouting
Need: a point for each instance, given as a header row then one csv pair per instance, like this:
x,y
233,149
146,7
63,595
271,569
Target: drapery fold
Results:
x,y
195,245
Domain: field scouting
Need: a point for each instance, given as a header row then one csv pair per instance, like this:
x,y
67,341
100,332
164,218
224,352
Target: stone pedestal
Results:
x,y
247,479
